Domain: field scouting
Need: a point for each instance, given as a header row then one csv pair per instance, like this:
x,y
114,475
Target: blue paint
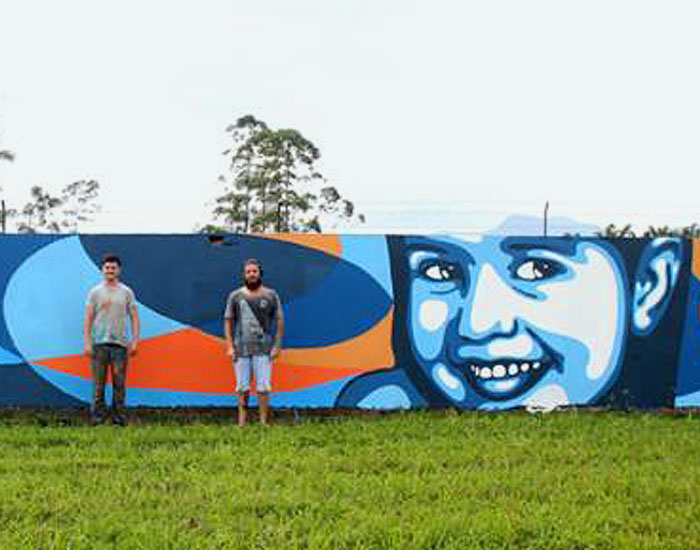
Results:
x,y
187,279
371,255
44,303
386,397
9,358
181,281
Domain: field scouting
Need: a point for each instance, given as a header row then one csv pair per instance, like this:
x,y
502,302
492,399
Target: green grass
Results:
x,y
572,480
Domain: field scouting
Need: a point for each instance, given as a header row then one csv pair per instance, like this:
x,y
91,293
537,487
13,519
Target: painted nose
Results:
x,y
489,308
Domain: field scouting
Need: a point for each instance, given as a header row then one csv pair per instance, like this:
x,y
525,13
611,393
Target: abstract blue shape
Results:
x,y
688,400
14,249
312,285
44,303
371,254
386,397
9,358
688,379
322,395
21,386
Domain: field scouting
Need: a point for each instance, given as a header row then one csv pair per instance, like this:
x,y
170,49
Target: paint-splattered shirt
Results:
x,y
254,320
113,306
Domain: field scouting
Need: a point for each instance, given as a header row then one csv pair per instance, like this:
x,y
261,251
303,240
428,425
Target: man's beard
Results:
x,y
254,284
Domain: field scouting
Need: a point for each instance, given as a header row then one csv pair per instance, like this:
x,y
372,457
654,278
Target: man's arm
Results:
x,y
279,333
229,314
87,329
228,333
135,328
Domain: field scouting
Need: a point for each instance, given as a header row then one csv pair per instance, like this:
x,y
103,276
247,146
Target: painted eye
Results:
x,y
440,271
536,270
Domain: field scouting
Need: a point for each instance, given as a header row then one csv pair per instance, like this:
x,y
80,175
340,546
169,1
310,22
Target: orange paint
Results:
x,y
696,258
330,244
190,360
368,351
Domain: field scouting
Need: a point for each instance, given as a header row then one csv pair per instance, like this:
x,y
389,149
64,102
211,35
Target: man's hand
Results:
x,y
133,348
87,350
231,352
274,352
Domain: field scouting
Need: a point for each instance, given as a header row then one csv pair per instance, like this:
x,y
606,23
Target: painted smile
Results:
x,y
505,378
504,370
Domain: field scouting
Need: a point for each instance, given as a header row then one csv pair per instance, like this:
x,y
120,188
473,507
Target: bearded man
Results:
x,y
253,327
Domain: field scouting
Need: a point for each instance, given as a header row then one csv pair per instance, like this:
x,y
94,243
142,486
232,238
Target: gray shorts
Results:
x,y
260,365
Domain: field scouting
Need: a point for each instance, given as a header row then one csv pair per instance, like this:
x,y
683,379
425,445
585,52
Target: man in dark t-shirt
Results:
x,y
253,326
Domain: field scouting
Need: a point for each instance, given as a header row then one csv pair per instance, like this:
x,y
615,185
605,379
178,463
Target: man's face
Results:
x,y
110,271
504,322
252,276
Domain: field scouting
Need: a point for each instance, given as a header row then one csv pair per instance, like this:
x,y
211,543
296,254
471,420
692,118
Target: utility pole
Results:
x,y
546,210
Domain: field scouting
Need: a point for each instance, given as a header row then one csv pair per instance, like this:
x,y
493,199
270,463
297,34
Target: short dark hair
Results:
x,y
111,259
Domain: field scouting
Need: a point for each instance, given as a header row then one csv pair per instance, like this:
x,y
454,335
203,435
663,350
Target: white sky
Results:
x,y
471,109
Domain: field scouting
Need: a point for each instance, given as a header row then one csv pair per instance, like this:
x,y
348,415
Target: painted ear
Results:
x,y
656,278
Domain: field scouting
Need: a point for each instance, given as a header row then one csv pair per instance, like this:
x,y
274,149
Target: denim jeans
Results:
x,y
109,358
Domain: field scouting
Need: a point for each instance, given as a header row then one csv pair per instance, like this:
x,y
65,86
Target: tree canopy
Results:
x,y
611,231
45,213
274,184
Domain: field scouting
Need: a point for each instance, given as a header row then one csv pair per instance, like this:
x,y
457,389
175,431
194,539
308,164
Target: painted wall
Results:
x,y
372,321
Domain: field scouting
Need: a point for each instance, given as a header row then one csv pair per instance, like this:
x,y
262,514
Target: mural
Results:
x,y
372,321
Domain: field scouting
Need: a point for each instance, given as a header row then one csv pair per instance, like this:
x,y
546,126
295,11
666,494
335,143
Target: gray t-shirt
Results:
x,y
112,307
254,320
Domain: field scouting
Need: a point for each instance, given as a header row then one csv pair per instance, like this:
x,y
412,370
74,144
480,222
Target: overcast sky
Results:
x,y
452,114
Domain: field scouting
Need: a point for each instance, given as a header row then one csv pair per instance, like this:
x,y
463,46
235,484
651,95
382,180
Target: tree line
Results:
x,y
612,231
47,213
272,184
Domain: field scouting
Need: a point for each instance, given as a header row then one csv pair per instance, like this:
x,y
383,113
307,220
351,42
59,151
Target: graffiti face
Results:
x,y
517,320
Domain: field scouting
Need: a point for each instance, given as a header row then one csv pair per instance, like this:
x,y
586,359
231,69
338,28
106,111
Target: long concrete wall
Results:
x,y
372,321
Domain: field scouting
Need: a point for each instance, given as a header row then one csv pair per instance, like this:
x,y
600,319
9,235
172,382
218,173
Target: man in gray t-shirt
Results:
x,y
254,326
110,307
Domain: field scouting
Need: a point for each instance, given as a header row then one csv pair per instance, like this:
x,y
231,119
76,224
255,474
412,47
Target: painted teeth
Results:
x,y
501,371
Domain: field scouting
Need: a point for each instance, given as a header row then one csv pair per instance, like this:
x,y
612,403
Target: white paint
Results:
x,y
446,378
474,238
433,314
586,306
648,296
518,346
492,306
548,398
448,382
641,314
505,385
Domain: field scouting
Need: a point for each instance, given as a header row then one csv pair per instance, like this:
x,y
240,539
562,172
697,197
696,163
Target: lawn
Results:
x,y
566,480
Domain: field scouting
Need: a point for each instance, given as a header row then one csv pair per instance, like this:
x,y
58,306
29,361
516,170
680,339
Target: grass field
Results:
x,y
568,480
